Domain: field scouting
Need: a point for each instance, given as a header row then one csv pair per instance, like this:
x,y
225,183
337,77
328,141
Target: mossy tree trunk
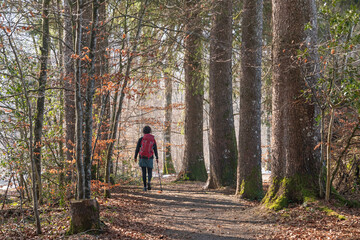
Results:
x,y
249,181
193,165
222,143
294,164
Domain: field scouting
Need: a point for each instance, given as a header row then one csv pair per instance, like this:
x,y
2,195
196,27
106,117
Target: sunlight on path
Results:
x,y
189,212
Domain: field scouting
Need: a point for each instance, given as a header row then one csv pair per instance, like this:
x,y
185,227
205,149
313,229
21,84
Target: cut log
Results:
x,y
84,216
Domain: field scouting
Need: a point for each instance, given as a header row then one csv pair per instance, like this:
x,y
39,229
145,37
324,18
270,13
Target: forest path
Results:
x,y
187,211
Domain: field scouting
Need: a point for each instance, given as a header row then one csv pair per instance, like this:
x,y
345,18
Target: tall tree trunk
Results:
x,y
294,163
168,166
223,149
101,70
78,104
102,100
40,105
193,167
249,182
60,23
85,212
69,82
90,91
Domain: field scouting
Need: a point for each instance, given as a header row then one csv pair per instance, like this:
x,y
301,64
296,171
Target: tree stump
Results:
x,y
85,216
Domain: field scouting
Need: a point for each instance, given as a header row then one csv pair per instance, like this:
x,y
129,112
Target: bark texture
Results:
x,y
85,215
223,149
90,91
79,105
85,211
40,104
69,83
61,164
193,167
294,163
249,182
102,102
168,163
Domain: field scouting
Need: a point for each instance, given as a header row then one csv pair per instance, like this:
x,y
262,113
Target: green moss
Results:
x,y
270,193
229,170
242,188
308,196
168,166
279,203
331,212
197,171
184,177
287,190
251,188
276,198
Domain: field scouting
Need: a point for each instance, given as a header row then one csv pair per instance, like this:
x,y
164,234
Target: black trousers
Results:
x,y
149,170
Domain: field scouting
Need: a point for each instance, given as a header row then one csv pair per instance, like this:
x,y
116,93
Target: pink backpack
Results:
x,y
147,144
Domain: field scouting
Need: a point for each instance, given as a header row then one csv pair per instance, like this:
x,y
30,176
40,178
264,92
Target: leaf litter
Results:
x,y
186,211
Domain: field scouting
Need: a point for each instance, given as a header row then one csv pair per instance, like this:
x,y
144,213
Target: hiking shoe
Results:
x,y
144,189
149,186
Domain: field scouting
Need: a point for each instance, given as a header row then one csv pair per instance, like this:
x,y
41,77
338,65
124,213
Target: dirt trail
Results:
x,y
186,211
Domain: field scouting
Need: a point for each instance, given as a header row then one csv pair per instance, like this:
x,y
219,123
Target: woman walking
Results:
x,y
146,148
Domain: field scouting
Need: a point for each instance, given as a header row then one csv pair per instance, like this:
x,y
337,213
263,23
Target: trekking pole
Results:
x,y
159,175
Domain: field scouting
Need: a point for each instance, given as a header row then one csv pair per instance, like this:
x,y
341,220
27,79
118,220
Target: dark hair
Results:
x,y
147,130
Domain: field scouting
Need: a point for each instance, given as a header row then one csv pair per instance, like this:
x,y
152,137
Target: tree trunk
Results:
x,y
102,102
69,85
268,147
78,104
222,143
60,23
40,105
90,91
193,167
322,178
85,216
85,211
168,167
249,181
294,163
82,80
328,156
